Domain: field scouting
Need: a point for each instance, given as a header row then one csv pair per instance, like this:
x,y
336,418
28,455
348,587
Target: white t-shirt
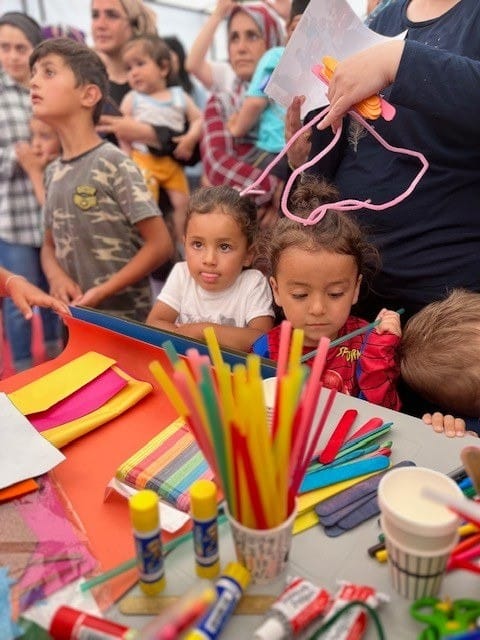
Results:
x,y
249,297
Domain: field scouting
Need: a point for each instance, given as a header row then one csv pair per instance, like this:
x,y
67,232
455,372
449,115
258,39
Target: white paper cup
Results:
x,y
419,533
269,392
265,552
414,573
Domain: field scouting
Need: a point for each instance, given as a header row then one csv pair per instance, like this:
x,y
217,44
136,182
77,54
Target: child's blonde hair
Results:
x,y
335,233
438,352
230,202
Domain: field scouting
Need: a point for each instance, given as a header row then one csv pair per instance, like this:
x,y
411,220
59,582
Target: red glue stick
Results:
x,y
72,624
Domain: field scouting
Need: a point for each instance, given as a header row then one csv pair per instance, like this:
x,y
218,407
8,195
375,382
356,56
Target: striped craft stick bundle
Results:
x,y
168,464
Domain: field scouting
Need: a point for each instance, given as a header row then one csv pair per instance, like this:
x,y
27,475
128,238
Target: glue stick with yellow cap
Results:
x,y
145,518
229,587
203,501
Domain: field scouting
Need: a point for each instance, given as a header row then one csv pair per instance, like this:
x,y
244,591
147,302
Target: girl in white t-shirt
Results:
x,y
214,286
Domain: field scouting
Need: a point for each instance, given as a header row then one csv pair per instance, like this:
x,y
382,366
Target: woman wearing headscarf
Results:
x,y
252,29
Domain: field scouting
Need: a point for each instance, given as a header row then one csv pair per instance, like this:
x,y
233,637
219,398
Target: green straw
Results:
x,y
170,351
214,419
347,336
132,563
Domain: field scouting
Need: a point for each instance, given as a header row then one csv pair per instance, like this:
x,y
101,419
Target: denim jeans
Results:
x,y
25,261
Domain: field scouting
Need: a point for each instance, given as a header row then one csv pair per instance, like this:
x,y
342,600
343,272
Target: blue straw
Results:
x,y
347,336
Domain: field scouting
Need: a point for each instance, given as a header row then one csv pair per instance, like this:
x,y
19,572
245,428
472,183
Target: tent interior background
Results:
x,y
182,18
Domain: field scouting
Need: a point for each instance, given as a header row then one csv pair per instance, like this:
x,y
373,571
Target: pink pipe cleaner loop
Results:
x,y
342,205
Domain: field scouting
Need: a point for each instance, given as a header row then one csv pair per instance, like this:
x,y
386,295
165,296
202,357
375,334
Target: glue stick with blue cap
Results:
x,y
204,501
144,513
230,588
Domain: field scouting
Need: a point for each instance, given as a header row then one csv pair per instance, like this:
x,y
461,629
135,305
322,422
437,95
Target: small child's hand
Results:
x,y
64,288
28,159
299,150
92,297
445,423
184,148
389,323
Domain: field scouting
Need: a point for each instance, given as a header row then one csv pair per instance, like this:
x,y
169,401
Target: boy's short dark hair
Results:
x,y
86,65
440,352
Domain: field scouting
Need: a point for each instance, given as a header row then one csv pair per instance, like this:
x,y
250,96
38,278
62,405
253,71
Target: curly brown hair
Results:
x,y
336,232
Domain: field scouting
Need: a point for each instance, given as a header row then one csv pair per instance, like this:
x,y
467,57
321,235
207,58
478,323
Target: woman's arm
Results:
x,y
26,295
222,160
360,76
196,61
247,116
129,129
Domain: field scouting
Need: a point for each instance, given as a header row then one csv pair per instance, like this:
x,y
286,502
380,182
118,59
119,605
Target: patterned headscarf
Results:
x,y
266,20
63,31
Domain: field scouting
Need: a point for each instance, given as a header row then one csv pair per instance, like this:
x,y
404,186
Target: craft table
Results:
x,y
323,560
314,556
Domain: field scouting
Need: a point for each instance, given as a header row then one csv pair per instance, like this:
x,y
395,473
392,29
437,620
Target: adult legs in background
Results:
x,y
25,261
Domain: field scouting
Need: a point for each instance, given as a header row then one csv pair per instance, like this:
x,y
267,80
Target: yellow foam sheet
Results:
x,y
123,400
46,391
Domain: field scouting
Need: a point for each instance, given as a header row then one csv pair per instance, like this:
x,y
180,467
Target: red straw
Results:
x,y
244,456
195,423
303,465
306,409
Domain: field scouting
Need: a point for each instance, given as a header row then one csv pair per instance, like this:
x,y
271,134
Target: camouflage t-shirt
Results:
x,y
93,203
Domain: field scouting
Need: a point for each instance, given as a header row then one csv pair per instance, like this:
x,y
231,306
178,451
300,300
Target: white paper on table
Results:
x,y
171,519
327,28
24,453
42,613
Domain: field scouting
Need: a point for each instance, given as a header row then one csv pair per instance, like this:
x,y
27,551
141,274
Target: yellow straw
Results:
x,y
165,381
260,446
295,350
213,347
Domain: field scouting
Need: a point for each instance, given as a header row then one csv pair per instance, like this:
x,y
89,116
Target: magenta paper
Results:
x,y
80,403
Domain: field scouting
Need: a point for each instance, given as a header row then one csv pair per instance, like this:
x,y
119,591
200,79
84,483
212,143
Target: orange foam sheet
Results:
x,y
93,459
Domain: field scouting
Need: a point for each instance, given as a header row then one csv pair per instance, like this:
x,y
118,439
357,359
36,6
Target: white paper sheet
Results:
x,y
171,519
24,453
327,28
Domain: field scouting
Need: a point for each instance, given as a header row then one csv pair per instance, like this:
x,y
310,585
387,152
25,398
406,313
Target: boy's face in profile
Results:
x,y
15,50
53,90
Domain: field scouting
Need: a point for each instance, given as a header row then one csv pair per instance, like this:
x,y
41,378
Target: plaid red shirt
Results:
x,y
365,366
222,154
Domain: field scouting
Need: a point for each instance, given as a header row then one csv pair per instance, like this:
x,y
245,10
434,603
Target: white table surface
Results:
x,y
323,560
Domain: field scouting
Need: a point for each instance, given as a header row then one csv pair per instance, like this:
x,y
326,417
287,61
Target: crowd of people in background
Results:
x,y
121,166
